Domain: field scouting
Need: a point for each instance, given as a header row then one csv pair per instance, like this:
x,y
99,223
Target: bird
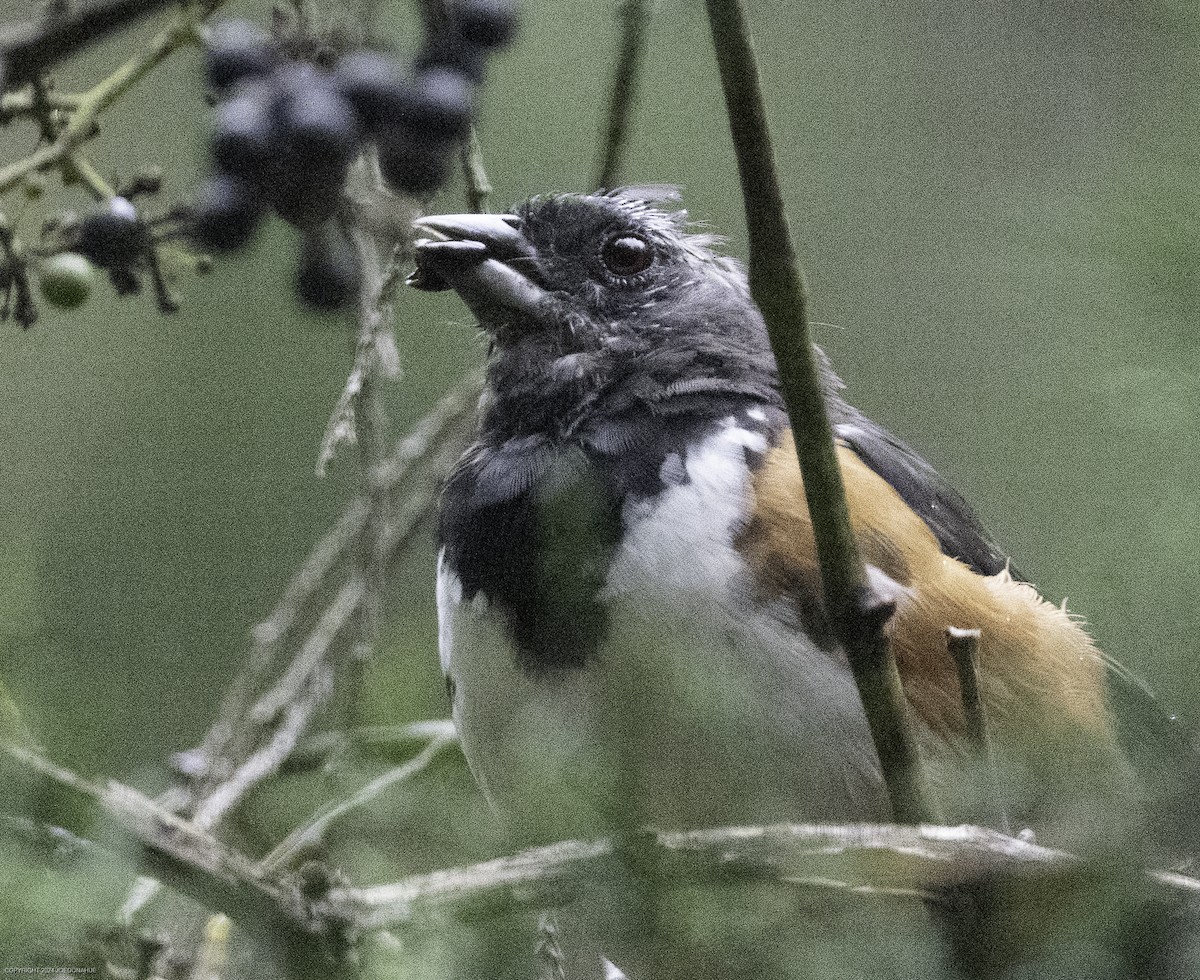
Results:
x,y
630,614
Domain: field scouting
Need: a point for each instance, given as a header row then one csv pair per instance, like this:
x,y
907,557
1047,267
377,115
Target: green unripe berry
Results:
x,y
65,280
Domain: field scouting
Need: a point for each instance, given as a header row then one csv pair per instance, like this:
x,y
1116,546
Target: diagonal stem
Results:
x,y
635,22
777,285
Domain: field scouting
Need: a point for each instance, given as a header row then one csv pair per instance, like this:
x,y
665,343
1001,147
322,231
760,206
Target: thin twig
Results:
x,y
28,102
414,447
893,860
452,410
56,843
622,98
348,421
415,454
303,839
903,862
238,753
479,187
376,312
180,30
312,655
267,760
309,578
548,952
963,646
174,851
382,740
778,288
81,167
247,709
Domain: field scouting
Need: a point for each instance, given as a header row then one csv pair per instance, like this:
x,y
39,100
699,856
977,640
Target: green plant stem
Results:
x,y
82,126
963,646
635,23
777,285
27,102
479,187
81,167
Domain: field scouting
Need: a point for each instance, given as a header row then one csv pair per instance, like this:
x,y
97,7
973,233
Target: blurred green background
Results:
x,y
999,211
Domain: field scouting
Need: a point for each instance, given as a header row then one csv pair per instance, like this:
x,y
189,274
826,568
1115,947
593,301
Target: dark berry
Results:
x,y
327,277
292,78
236,50
449,49
114,237
299,199
319,128
414,166
245,135
439,103
486,23
66,280
227,213
373,83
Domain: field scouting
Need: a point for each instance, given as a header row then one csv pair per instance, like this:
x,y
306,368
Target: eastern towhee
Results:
x,y
630,610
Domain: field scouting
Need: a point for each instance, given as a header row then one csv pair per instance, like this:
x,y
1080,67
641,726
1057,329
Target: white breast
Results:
x,y
701,708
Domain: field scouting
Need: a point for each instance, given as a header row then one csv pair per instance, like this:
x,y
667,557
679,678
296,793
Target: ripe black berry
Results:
x,y
439,103
412,165
236,50
300,196
449,49
327,276
319,127
486,23
113,237
227,213
245,134
372,82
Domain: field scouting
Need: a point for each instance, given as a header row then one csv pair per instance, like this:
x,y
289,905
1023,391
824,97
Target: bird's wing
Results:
x,y
1040,664
1154,740
943,509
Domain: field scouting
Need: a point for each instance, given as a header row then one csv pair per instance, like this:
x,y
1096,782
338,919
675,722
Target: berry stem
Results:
x,y
479,186
81,168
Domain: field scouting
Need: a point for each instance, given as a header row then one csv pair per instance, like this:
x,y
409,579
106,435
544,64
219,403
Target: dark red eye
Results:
x,y
627,255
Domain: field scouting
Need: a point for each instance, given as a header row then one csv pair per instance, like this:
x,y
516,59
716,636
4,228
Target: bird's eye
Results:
x,y
627,255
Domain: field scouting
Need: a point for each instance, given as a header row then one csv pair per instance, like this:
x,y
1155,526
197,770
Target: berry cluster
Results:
x,y
115,237
287,132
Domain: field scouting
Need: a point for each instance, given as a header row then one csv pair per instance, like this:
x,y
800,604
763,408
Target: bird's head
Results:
x,y
598,301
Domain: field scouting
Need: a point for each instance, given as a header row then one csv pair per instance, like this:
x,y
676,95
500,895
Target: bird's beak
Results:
x,y
478,256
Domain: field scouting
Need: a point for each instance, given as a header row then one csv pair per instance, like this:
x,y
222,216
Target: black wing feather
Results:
x,y
947,514
1158,745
